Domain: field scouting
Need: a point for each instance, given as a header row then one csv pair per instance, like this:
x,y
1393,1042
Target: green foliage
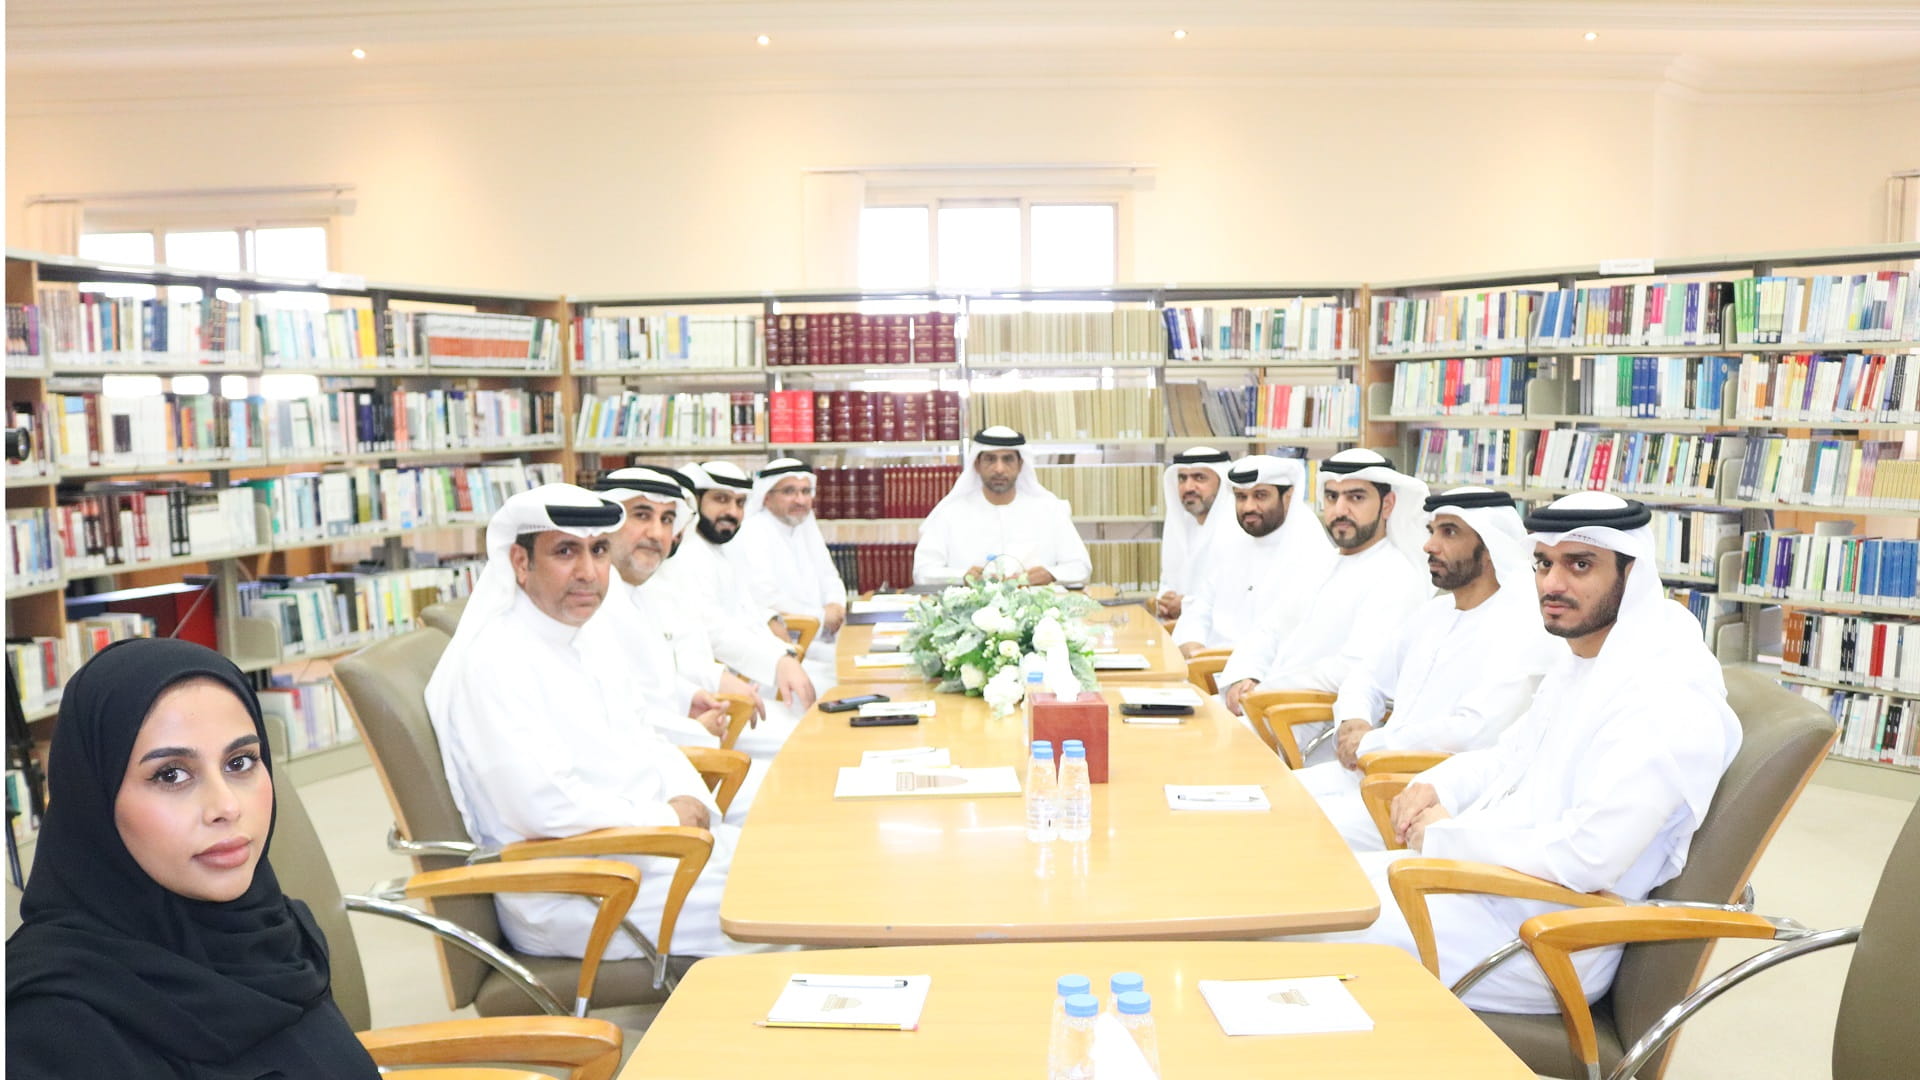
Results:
x,y
970,633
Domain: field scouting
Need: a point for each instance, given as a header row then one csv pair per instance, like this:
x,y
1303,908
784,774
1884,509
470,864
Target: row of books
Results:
x,y
323,612
819,416
1464,386
1649,387
340,337
23,334
1126,412
1828,387
1068,338
113,524
34,420
351,501
1492,457
665,342
885,491
1872,653
1296,330
1709,609
33,557
369,420
1824,308
312,712
1884,728
1196,410
804,339
1690,542
42,665
868,567
1872,474
98,430
1109,490
1830,567
632,418
477,340
1649,463
76,327
1130,566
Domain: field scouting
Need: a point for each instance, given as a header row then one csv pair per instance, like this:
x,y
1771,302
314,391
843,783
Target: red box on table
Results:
x,y
1084,718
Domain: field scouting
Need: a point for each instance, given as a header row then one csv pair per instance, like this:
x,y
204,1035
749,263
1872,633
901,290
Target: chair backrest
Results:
x,y
1875,1035
386,686
1783,739
444,616
300,862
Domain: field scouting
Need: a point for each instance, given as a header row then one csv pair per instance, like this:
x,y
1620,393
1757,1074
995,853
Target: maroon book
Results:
x,y
863,416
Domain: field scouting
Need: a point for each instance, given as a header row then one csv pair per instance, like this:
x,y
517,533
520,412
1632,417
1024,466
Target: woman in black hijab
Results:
x,y
156,941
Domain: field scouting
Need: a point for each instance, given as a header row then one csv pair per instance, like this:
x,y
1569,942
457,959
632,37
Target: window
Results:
x,y
1004,243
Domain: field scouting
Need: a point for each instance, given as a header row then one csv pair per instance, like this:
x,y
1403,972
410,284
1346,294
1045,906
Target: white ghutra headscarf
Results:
x,y
1184,541
1407,526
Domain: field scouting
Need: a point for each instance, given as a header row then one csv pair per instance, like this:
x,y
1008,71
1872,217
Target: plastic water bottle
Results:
x,y
1034,682
1042,794
1123,982
1066,986
1070,1055
1136,1015
1076,794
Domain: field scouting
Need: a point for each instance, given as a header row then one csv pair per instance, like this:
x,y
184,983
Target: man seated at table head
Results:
x,y
1189,488
1602,781
1273,552
1460,669
541,733
998,512
780,554
1374,515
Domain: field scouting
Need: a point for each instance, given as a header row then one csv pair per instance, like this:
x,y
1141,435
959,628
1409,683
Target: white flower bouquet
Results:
x,y
976,637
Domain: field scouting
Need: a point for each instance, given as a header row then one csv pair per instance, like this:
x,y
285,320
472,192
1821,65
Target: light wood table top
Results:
x,y
811,868
990,1006
1129,629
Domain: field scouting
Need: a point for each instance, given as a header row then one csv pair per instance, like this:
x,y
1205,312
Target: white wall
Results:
x,y
661,191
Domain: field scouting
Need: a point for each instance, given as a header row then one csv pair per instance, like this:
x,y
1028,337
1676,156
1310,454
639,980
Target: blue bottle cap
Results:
x,y
1076,751
1082,1005
1075,742
1126,982
1043,750
1134,1003
1070,985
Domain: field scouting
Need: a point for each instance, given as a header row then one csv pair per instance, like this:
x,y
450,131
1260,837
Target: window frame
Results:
x,y
932,199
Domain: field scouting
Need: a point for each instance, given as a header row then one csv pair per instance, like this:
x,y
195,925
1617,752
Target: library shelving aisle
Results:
x,y
1766,404
259,464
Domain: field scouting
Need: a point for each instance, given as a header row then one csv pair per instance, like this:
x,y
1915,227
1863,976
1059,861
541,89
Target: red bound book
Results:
x,y
800,348
886,416
899,339
803,416
820,338
864,421
780,416
822,427
837,338
920,338
1879,650
842,416
945,345
863,339
949,427
872,495
912,427
850,337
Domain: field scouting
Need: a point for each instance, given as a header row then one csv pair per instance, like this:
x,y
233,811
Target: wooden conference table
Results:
x,y
821,871
988,1010
1133,628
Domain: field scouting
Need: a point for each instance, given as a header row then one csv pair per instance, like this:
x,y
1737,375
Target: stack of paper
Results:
x,y
884,602
898,708
1309,1006
882,781
1161,695
882,1002
912,757
1120,662
883,660
1217,797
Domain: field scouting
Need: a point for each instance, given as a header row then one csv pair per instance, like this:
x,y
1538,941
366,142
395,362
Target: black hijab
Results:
x,y
209,989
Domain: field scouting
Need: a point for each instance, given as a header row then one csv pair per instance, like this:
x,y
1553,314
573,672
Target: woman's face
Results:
x,y
196,805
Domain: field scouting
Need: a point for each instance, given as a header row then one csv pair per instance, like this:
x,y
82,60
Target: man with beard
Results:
x,y
780,554
1458,671
1188,490
1374,516
1599,785
997,510
1254,573
740,632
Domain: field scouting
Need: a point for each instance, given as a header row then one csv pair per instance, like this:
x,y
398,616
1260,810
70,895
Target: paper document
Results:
x,y
897,708
1217,797
883,660
863,782
883,602
1161,695
1115,1055
1309,1006
885,1002
913,757
1124,661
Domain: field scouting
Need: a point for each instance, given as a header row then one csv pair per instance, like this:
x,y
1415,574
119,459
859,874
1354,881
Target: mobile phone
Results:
x,y
883,721
1156,710
848,704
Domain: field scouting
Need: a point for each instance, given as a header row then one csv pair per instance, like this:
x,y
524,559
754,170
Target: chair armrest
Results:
x,y
589,1048
1202,668
724,770
1553,938
739,718
1376,794
1274,721
1413,880
614,884
806,626
1401,761
683,842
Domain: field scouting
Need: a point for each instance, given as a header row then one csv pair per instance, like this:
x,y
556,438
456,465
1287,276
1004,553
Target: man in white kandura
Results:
x,y
1258,573
997,511
1374,515
1188,490
541,734
1459,670
1599,785
783,560
742,634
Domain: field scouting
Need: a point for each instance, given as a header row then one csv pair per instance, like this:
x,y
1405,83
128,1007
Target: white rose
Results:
x,y
1010,650
972,677
956,592
1004,691
1048,635
988,618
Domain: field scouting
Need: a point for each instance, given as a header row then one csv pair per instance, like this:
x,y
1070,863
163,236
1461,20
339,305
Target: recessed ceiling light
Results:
x,y
359,54
1590,35
1179,35
764,39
